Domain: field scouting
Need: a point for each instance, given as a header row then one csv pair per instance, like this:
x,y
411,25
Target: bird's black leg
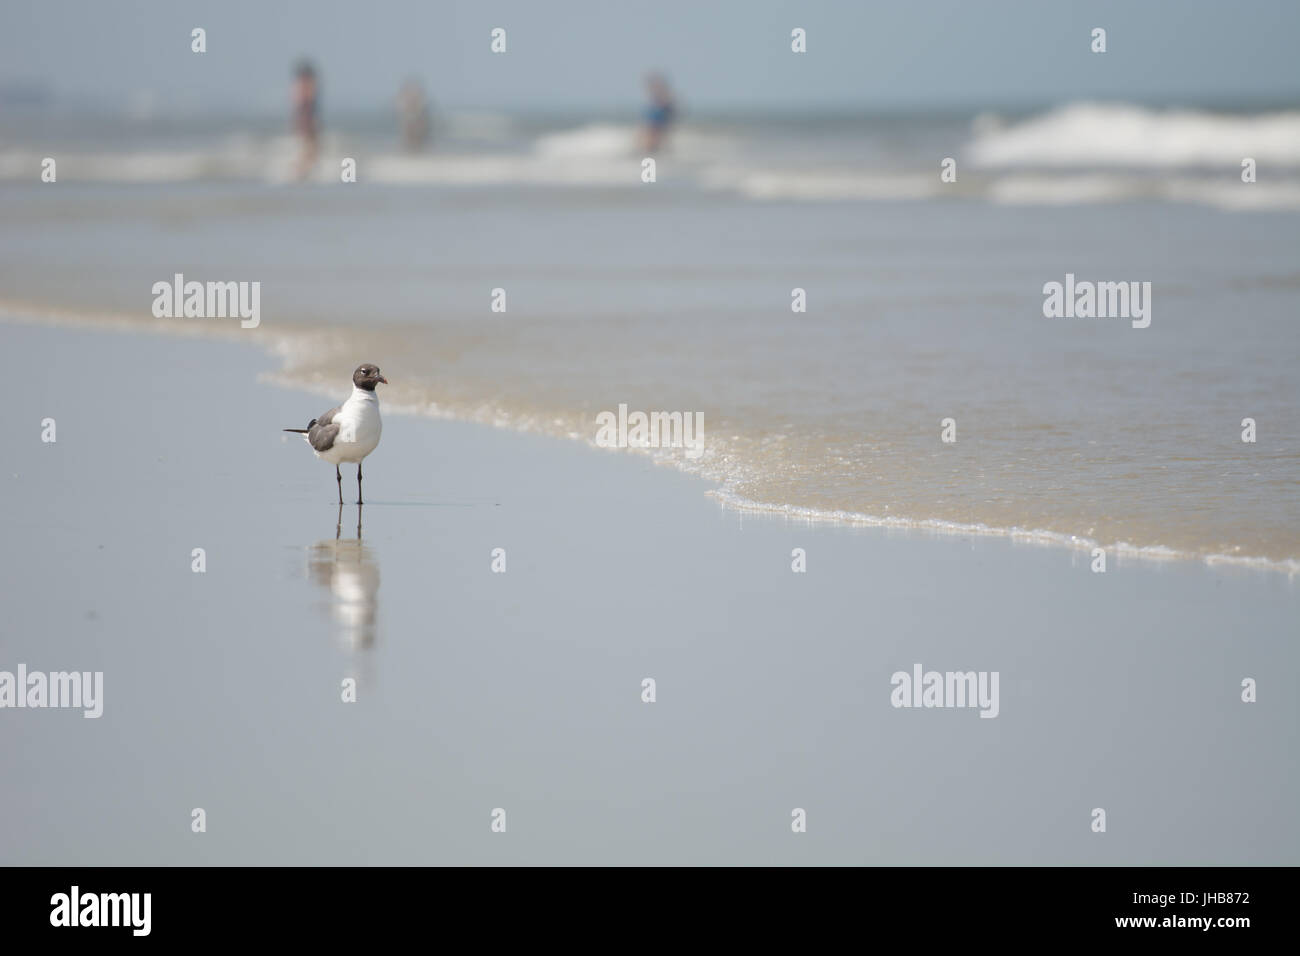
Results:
x,y
359,501
339,475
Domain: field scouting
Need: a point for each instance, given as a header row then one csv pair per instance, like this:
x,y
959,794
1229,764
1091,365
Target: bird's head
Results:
x,y
367,377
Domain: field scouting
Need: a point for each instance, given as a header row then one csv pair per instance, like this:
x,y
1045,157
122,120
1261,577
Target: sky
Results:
x,y
565,55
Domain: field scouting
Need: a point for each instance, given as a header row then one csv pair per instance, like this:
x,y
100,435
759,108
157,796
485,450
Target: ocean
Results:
x,y
924,299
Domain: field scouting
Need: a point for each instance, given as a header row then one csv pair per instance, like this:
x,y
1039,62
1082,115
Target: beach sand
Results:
x,y
522,690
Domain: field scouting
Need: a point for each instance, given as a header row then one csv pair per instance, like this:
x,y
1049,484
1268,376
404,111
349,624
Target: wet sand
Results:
x,y
523,690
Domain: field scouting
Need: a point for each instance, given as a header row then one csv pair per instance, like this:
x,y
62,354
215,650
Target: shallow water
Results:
x,y
676,296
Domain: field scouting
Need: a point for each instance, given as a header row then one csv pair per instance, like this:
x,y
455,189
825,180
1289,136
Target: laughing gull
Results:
x,y
350,431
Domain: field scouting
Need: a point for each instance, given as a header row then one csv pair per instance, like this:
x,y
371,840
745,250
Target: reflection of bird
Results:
x,y
350,431
347,569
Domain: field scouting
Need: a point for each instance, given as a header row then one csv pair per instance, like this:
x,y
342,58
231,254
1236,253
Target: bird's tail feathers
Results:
x,y
302,431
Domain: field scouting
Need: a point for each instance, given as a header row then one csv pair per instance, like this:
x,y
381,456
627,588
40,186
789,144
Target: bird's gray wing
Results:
x,y
323,431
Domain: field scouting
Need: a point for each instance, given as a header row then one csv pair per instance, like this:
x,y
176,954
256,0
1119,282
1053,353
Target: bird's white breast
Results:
x,y
359,428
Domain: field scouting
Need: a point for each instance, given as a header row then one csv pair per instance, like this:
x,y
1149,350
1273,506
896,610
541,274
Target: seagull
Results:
x,y
350,431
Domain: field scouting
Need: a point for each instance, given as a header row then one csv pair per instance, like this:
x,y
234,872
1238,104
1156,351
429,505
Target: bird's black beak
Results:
x,y
384,380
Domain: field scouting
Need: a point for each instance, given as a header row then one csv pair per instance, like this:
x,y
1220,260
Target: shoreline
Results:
x,y
21,313
523,689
